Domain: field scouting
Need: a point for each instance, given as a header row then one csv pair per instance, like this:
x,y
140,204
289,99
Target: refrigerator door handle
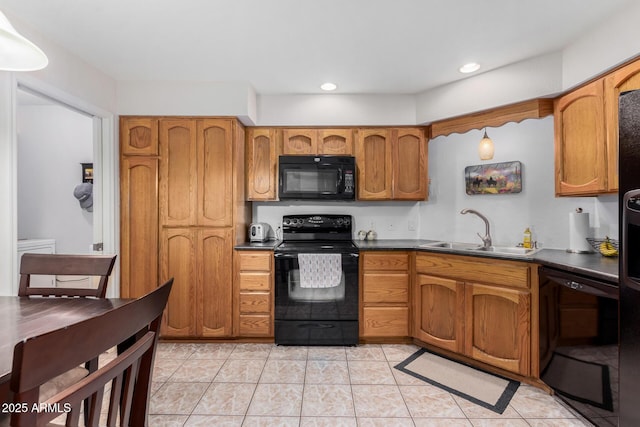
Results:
x,y
630,218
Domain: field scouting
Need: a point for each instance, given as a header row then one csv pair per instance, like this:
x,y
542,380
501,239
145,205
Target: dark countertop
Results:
x,y
269,245
591,265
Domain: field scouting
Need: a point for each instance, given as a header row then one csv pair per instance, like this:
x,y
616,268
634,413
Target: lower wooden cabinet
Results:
x,y
481,308
439,312
385,278
200,261
254,293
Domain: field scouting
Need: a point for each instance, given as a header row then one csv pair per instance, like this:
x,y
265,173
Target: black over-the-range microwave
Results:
x,y
317,177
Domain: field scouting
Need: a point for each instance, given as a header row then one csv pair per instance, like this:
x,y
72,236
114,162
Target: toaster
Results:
x,y
259,232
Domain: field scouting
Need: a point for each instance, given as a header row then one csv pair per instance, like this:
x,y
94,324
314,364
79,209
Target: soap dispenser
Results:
x,y
526,241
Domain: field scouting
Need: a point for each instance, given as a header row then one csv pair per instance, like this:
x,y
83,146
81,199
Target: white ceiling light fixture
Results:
x,y
328,86
16,52
486,149
469,68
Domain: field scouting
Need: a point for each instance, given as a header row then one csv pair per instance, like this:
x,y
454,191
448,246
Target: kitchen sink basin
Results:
x,y
474,247
508,250
455,246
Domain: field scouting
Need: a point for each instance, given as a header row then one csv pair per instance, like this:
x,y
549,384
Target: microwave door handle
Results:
x,y
339,177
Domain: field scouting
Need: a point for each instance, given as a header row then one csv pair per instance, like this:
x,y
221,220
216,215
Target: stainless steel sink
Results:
x,y
456,246
474,247
508,250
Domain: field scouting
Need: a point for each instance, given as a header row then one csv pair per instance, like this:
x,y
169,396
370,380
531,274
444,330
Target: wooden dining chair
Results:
x,y
67,265
41,358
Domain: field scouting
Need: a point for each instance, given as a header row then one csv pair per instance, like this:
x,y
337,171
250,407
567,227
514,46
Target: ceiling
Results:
x,y
292,46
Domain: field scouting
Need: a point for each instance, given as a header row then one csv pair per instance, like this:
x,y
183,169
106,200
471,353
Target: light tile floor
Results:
x,y
269,385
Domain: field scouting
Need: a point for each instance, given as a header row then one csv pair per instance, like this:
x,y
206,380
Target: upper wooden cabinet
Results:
x,y
139,136
409,155
196,172
580,151
586,134
622,80
262,163
392,164
317,141
374,164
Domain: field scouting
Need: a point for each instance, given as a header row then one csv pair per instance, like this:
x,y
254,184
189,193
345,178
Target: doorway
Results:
x,y
59,158
54,142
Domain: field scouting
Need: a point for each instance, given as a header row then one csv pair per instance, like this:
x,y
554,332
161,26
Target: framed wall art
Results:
x,y
87,172
493,178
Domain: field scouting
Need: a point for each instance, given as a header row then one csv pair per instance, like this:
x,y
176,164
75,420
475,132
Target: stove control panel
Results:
x,y
341,223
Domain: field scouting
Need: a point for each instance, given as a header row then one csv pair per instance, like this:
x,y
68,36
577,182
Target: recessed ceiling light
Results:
x,y
328,86
470,67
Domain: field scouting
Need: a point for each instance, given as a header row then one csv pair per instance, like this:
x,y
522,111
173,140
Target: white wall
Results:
x,y
612,42
188,99
336,110
52,142
390,220
530,142
532,78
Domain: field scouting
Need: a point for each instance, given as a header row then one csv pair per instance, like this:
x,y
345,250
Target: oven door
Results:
x,y
297,301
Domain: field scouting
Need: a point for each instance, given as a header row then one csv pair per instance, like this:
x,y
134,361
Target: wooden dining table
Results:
x,y
24,317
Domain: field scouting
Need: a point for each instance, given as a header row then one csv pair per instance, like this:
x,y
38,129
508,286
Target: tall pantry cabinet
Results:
x,y
197,200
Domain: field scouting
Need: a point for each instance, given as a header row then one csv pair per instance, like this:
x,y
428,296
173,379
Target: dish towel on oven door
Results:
x,y
320,270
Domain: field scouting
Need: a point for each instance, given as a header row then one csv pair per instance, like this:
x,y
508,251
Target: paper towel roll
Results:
x,y
578,232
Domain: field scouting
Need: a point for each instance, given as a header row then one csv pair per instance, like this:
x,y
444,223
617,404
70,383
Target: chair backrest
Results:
x,y
68,265
42,358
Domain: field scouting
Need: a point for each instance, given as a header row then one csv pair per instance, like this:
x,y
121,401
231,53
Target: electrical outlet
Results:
x,y
391,227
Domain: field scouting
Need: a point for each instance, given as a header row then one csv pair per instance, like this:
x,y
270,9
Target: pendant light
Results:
x,y
16,52
485,149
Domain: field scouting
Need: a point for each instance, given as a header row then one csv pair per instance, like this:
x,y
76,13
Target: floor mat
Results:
x,y
482,388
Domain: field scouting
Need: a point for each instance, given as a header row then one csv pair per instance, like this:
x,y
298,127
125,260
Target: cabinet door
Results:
x,y
335,142
299,141
214,172
439,312
178,260
622,80
138,136
215,291
373,159
262,164
178,177
409,165
580,150
498,326
138,226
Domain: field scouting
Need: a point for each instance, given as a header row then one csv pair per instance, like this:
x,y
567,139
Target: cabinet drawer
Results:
x,y
468,269
385,321
250,281
254,260
255,326
386,288
255,303
387,261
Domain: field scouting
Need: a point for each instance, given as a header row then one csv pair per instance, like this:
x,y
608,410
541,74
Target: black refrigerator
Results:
x,y
629,273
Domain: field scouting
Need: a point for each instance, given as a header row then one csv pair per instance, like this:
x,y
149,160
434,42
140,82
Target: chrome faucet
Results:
x,y
486,240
